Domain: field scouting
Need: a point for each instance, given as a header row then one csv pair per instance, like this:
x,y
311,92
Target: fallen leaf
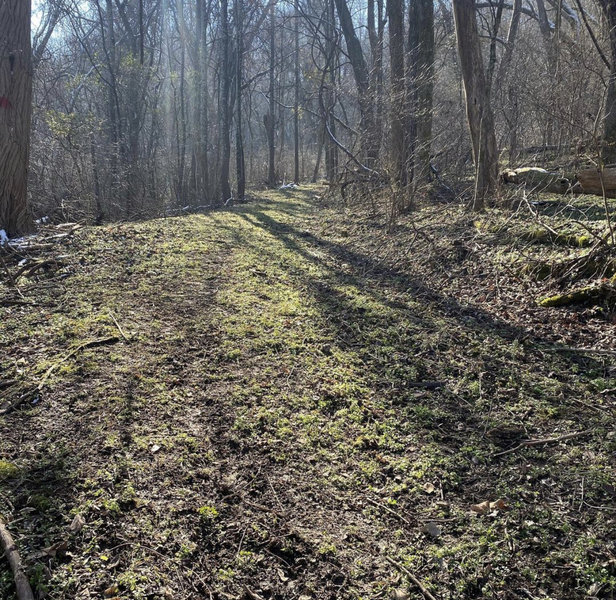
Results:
x,y
429,488
56,548
155,448
400,594
481,508
111,591
77,524
487,507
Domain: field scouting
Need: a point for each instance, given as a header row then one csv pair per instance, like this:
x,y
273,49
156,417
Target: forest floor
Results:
x,y
282,400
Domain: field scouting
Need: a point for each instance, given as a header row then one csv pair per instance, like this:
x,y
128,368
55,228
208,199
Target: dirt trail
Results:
x,y
288,415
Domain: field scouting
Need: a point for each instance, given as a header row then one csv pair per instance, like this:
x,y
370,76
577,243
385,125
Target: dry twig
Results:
x,y
424,590
540,442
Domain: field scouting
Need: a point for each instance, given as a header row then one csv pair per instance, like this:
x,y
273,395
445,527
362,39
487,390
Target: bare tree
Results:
x,y
296,78
478,110
240,167
224,109
609,10
395,14
421,67
15,114
271,114
362,81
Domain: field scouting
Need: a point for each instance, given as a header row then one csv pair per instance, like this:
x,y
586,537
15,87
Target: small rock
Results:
x,y
432,529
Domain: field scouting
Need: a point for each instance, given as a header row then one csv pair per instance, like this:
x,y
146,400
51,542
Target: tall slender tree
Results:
x,y
296,92
362,82
225,111
271,114
240,167
421,82
478,110
395,13
15,113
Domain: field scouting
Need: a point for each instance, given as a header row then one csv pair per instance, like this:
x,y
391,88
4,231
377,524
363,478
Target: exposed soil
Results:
x,y
293,403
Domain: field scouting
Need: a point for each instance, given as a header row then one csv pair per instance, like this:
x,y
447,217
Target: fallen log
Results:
x,y
595,181
22,585
592,294
539,180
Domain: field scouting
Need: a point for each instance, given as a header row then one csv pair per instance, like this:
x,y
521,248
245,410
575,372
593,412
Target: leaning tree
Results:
x,y
15,113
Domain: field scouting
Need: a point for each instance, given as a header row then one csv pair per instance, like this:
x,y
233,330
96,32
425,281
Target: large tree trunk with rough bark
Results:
x,y
609,10
15,114
478,110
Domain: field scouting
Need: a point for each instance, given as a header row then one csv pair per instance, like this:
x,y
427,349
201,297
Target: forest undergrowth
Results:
x,y
285,400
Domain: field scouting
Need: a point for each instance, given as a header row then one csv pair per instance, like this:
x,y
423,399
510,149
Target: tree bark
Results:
x,y
362,82
239,71
478,110
15,114
375,36
296,95
271,115
398,119
329,122
421,67
225,76
609,151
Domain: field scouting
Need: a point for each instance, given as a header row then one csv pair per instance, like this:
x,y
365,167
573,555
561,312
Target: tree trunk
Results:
x,y
15,114
239,140
421,67
398,121
609,152
362,82
375,36
271,115
478,110
512,33
296,96
329,122
225,76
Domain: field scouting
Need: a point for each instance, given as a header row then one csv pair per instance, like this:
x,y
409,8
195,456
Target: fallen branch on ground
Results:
x,y
579,350
22,585
424,590
91,343
540,442
32,391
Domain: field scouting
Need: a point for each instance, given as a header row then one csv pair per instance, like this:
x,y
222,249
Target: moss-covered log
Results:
x,y
593,294
544,236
